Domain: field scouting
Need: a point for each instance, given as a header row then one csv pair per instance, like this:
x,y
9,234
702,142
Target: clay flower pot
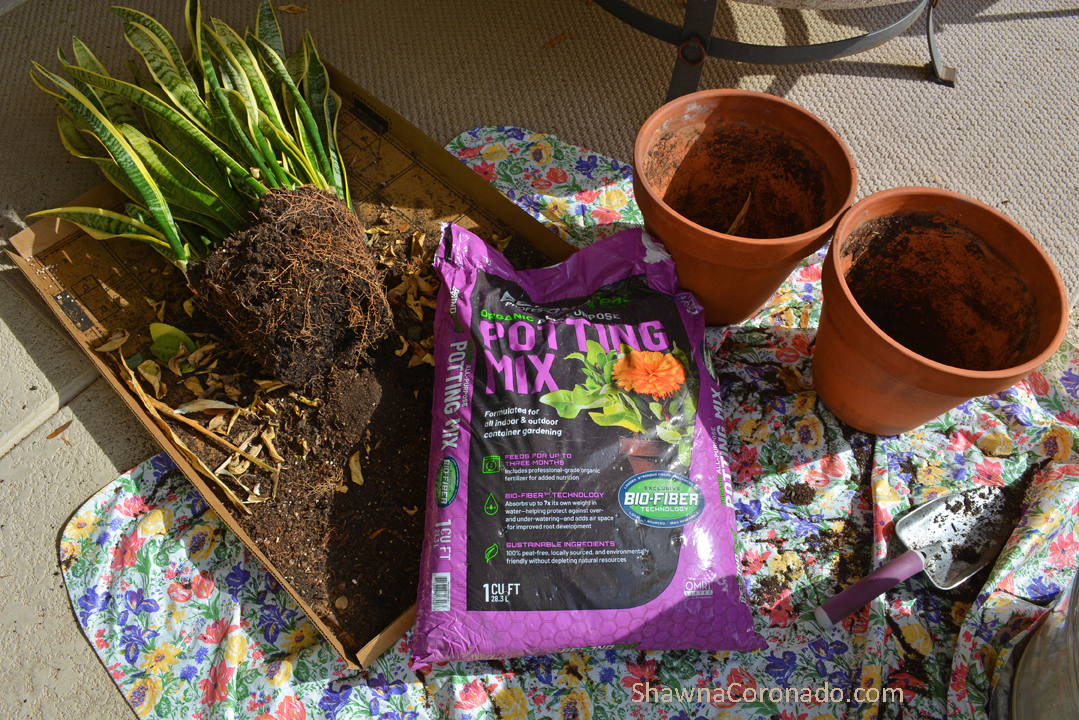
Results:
x,y
930,299
697,161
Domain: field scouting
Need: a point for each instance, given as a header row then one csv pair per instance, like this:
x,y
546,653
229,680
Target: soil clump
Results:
x,y
298,290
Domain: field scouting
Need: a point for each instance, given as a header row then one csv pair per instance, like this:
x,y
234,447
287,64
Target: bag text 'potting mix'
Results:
x,y
578,494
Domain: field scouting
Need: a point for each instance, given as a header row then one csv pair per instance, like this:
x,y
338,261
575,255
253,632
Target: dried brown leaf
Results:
x,y
58,431
152,372
202,405
414,304
426,286
115,341
415,509
291,9
159,308
269,386
305,401
354,468
550,44
740,218
217,423
201,354
232,420
376,533
405,347
189,307
399,290
268,436
174,362
192,383
417,244
417,360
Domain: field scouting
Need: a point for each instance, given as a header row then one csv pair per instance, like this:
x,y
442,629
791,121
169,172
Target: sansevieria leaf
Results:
x,y
148,102
240,54
167,75
317,93
267,30
304,111
178,184
103,224
165,38
125,158
115,107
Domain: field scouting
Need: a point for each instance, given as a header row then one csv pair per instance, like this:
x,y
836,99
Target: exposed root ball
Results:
x,y
298,289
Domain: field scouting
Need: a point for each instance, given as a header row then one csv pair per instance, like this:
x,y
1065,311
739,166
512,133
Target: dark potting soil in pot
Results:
x,y
937,289
786,183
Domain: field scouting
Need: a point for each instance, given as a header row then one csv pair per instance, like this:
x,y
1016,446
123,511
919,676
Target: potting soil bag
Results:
x,y
578,493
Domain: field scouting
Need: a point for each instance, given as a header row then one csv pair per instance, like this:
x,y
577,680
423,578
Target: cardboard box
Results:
x,y
96,287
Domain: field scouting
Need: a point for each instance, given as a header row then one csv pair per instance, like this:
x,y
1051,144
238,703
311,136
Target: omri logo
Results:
x,y
661,499
697,588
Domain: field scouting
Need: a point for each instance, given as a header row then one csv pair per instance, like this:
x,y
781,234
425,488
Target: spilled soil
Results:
x,y
940,291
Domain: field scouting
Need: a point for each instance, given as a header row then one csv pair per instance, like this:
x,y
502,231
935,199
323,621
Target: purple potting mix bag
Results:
x,y
578,493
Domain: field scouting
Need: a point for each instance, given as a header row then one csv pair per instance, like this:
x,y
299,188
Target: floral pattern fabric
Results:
x,y
190,625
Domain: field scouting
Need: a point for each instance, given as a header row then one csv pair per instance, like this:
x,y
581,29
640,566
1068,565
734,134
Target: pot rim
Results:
x,y
855,216
793,242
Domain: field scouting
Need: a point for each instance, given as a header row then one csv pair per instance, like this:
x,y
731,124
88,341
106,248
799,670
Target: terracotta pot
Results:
x,y
645,455
930,299
696,162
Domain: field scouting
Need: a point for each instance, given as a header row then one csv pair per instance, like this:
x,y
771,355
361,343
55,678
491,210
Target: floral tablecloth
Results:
x,y
189,625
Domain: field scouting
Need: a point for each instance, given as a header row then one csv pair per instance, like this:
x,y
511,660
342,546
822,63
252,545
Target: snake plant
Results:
x,y
195,145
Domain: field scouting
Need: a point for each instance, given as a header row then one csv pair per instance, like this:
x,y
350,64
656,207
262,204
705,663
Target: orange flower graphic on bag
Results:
x,y
647,392
649,373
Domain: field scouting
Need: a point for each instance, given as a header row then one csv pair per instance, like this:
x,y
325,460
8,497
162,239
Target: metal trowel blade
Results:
x,y
971,528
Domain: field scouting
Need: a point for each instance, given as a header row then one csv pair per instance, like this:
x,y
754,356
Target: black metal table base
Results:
x,y
695,42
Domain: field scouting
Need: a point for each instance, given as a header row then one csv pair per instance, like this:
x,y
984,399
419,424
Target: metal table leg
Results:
x,y
763,54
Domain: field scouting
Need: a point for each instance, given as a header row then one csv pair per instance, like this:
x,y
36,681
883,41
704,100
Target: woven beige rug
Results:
x,y
1006,134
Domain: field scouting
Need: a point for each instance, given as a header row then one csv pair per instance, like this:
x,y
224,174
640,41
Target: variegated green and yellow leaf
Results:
x,y
201,163
115,107
298,165
73,140
164,37
104,224
267,30
123,154
167,75
178,184
278,68
337,162
149,102
240,54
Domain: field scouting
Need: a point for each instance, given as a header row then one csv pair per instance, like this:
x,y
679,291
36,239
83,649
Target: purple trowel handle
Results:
x,y
875,583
